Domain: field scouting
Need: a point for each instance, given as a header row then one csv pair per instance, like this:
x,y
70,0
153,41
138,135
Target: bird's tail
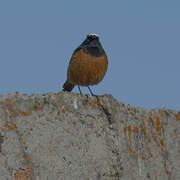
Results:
x,y
68,86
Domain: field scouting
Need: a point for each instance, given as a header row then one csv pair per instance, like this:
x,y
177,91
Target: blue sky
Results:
x,y
141,38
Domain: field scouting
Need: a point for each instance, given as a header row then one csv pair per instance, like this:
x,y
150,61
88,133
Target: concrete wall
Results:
x,y
68,136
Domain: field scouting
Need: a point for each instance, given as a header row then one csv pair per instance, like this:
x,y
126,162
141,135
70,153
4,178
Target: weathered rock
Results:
x,y
68,136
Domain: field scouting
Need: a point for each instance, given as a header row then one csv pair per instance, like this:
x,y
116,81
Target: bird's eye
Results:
x,y
90,37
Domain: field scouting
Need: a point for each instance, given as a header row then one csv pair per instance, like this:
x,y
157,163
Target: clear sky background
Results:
x,y
141,38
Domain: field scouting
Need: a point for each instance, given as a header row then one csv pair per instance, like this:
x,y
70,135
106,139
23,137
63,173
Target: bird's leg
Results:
x,y
91,91
79,89
93,94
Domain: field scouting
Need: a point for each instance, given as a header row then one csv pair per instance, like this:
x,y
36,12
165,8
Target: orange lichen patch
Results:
x,y
27,157
162,113
3,129
170,133
156,176
15,113
8,102
156,140
150,113
162,142
85,101
157,124
177,116
134,110
129,132
99,103
175,133
37,108
157,118
18,132
160,173
90,102
141,155
29,168
51,93
136,129
63,110
130,150
9,107
10,127
144,129
148,137
150,121
21,134
166,168
26,113
134,154
119,105
125,131
167,171
22,174
1,140
24,142
162,149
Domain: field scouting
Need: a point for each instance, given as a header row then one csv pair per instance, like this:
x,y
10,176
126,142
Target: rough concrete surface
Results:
x,y
67,136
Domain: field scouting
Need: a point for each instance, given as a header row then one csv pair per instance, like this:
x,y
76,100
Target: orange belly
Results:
x,y
86,70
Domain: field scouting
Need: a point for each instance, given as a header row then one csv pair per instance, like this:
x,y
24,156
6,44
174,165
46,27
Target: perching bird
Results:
x,y
88,64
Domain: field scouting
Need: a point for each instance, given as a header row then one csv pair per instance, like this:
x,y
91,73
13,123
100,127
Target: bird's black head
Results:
x,y
92,45
91,39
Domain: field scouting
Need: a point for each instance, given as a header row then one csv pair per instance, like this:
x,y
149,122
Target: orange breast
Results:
x,y
86,70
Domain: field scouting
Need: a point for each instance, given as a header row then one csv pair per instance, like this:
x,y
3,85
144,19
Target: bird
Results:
x,y
88,64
